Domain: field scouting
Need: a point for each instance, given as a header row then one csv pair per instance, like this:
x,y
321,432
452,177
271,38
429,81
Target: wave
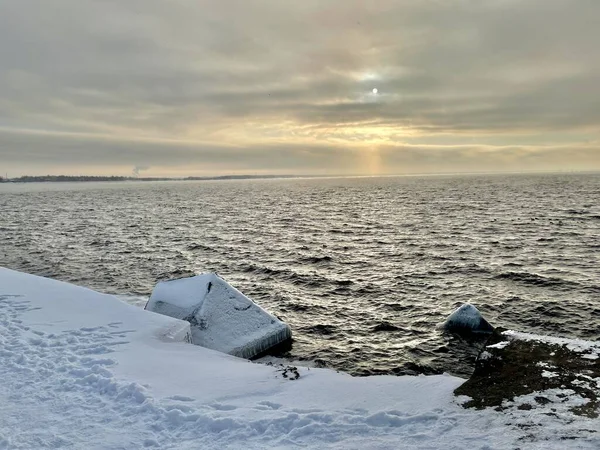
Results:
x,y
397,306
100,243
385,326
338,231
323,329
175,274
534,279
316,259
196,246
312,280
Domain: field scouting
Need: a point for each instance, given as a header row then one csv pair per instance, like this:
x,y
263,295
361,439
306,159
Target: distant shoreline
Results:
x,y
86,178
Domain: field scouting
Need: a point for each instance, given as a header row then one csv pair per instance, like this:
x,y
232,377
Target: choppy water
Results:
x,y
363,269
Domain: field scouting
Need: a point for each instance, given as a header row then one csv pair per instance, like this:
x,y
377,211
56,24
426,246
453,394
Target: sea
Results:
x,y
365,270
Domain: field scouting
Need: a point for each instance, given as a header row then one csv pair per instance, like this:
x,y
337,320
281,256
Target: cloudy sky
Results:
x,y
195,87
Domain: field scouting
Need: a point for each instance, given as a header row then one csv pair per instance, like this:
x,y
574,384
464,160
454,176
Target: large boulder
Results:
x,y
220,316
467,319
545,374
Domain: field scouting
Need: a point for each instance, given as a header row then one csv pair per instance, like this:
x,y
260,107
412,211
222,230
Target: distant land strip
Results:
x,y
84,178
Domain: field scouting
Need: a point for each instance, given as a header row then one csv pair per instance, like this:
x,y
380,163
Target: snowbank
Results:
x,y
83,370
222,318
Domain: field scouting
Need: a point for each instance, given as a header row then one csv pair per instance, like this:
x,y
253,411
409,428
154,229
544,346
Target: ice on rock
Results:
x,y
220,316
468,318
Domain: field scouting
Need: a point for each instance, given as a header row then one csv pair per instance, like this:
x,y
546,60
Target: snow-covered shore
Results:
x,y
80,369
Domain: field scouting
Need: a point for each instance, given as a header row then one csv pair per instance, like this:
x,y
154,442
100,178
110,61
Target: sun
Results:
x,y
375,91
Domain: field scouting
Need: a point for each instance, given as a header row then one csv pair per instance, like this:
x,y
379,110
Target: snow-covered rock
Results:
x,y
534,372
467,318
221,317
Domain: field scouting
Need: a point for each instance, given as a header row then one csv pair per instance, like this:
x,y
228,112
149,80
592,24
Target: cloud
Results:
x,y
81,153
240,79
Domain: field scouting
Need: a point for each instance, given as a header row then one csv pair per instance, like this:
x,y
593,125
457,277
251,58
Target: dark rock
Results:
x,y
467,319
514,367
542,400
290,372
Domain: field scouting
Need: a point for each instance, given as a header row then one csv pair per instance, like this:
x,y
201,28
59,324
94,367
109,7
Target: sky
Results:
x,y
195,87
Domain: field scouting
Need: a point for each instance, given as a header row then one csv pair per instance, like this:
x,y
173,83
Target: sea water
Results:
x,y
363,269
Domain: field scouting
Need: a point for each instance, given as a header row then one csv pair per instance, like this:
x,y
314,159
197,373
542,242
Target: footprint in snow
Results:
x,y
221,407
264,406
181,398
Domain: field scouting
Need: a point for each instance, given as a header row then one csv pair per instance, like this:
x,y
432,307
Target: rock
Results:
x,y
528,371
289,372
467,319
220,316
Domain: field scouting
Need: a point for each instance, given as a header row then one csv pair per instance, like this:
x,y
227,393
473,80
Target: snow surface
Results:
x,y
588,349
499,345
222,317
83,370
485,355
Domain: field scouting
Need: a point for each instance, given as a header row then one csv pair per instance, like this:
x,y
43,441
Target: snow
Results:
x,y
499,345
588,349
545,365
222,317
468,317
562,401
485,355
83,370
548,374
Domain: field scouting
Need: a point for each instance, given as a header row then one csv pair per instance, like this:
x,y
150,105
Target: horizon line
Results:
x,y
285,176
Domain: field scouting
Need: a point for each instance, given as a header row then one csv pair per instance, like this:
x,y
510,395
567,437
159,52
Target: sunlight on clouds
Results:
x,y
370,88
